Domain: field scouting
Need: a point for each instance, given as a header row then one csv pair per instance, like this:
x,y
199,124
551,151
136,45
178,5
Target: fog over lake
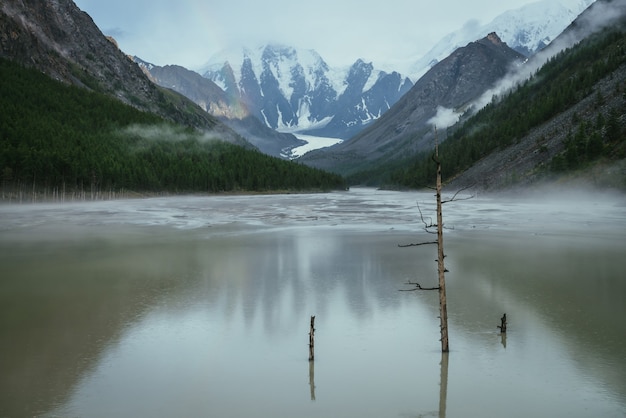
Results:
x,y
200,306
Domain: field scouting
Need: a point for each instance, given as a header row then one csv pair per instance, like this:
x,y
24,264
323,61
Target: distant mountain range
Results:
x,y
279,90
291,89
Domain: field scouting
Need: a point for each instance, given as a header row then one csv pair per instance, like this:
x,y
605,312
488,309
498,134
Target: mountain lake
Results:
x,y
198,306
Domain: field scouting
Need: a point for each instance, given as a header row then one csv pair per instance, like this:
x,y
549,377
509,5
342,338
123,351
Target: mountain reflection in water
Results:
x,y
198,306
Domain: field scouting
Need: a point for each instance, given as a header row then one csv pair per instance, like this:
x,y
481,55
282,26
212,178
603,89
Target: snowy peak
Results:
x,y
526,30
292,89
535,25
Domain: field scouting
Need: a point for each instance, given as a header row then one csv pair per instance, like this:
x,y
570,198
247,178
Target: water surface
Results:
x,y
200,306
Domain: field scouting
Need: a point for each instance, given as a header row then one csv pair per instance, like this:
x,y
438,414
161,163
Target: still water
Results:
x,y
200,306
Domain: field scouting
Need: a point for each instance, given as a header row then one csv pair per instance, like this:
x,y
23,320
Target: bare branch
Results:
x,y
417,244
418,287
426,225
454,198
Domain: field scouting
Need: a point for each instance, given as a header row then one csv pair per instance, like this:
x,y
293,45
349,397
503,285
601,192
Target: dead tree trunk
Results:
x,y
312,339
443,307
441,269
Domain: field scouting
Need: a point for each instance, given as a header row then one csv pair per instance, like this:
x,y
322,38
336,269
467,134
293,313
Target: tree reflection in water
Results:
x,y
443,385
312,379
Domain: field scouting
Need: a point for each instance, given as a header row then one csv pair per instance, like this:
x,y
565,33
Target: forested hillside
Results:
x,y
595,132
56,139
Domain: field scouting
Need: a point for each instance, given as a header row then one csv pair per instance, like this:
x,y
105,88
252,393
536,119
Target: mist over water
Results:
x,y
200,306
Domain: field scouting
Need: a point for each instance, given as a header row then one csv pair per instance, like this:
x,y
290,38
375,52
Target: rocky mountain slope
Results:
x,y
290,89
230,109
57,38
406,128
521,163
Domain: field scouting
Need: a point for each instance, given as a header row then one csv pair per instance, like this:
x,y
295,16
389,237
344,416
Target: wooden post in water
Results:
x,y
312,339
502,325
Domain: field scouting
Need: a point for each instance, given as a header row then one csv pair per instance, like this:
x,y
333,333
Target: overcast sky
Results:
x,y
189,32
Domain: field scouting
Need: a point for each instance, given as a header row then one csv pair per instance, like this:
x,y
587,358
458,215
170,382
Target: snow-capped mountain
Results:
x,y
225,107
293,89
526,30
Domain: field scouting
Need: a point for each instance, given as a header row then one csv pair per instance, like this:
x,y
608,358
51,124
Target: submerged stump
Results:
x,y
502,325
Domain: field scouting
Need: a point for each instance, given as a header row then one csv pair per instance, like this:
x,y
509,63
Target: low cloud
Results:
x,y
168,133
444,118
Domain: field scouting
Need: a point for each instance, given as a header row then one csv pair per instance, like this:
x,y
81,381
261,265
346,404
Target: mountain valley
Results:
x,y
384,122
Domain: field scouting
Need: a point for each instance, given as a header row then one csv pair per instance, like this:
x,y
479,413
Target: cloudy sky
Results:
x,y
189,32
